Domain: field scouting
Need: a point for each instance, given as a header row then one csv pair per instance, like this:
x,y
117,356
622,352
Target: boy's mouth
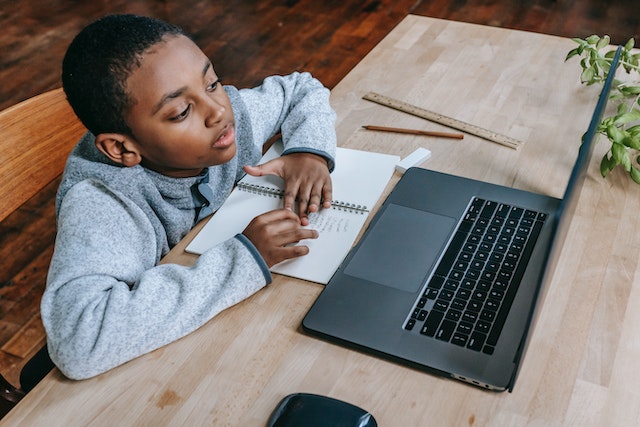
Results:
x,y
227,137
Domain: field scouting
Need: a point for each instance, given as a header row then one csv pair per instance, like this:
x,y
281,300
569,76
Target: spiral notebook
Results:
x,y
358,181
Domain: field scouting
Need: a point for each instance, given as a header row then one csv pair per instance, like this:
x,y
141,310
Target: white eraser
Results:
x,y
413,159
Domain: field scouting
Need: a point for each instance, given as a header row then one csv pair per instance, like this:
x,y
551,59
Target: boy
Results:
x,y
167,142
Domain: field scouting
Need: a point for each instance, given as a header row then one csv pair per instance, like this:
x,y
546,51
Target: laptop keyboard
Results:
x,y
468,298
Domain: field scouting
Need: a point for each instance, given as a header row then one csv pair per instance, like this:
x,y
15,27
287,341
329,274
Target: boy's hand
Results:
x,y
306,179
272,232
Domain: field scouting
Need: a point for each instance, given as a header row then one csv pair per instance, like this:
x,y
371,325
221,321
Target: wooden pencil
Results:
x,y
414,131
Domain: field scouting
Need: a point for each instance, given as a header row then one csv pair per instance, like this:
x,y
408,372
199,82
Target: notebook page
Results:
x,y
358,181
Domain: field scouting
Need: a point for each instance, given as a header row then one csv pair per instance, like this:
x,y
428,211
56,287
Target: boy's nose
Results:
x,y
215,111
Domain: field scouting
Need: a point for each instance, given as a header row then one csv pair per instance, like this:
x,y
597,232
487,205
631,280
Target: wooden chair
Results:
x,y
36,136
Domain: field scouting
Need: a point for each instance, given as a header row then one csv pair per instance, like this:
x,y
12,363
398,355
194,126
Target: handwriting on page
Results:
x,y
328,222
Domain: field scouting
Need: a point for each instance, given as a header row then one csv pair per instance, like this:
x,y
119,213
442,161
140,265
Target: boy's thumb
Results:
x,y
272,167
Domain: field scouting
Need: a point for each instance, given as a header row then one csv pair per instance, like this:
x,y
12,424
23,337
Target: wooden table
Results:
x,y
581,367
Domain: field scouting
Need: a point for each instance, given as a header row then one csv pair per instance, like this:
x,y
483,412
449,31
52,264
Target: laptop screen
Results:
x,y
576,179
589,139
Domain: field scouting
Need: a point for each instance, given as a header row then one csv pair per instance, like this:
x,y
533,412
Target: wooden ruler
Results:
x,y
443,120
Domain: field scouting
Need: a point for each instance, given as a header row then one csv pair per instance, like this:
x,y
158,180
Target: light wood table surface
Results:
x,y
582,364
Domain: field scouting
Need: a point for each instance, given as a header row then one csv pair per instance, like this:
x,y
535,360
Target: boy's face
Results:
x,y
181,117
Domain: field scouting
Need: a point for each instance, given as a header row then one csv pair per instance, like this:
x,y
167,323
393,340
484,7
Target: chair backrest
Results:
x,y
36,137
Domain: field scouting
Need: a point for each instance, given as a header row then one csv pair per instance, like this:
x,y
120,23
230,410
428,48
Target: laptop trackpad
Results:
x,y
401,248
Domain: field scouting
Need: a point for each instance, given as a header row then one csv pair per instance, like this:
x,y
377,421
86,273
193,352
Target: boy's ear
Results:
x,y
119,148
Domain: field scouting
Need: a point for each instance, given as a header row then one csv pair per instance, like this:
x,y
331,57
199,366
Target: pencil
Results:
x,y
415,131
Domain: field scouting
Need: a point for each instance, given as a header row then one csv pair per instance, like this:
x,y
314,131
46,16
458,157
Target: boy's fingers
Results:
x,y
289,198
327,196
272,167
294,251
302,234
313,201
287,243
282,217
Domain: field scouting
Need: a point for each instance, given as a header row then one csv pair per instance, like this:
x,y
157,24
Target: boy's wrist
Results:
x,y
323,155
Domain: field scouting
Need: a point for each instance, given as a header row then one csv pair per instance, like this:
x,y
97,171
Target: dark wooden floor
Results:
x,y
247,41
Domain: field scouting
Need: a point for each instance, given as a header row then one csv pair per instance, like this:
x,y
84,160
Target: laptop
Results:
x,y
449,273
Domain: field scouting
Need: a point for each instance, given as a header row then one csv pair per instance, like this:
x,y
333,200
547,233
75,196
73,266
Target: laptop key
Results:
x,y
470,316
410,324
446,330
483,327
474,306
459,339
465,328
441,305
453,315
458,304
451,285
431,324
487,315
492,304
431,293
476,206
516,213
446,294
436,281
489,209
467,285
503,210
476,341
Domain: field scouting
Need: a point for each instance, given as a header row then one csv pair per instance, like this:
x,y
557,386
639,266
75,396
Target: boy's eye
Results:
x,y
182,115
213,86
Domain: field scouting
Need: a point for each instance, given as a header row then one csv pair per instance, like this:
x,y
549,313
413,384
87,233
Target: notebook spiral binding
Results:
x,y
276,192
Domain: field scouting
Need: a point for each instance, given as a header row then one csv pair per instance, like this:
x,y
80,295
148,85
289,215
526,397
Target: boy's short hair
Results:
x,y
98,63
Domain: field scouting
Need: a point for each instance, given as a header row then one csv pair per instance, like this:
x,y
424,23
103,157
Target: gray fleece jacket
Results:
x,y
107,300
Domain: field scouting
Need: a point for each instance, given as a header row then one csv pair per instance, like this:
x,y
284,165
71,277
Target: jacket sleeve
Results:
x,y
107,301
298,106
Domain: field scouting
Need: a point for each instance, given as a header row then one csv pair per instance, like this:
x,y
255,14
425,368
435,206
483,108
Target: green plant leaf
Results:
x,y
572,53
604,65
635,175
634,130
632,141
606,122
629,90
592,39
610,54
588,76
629,44
621,156
629,117
615,135
621,109
603,42
606,165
